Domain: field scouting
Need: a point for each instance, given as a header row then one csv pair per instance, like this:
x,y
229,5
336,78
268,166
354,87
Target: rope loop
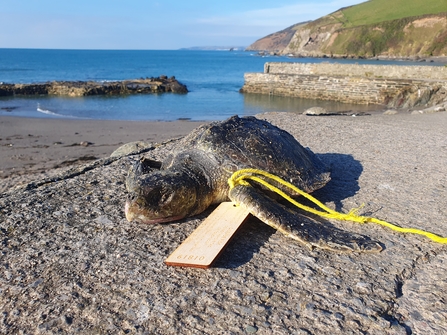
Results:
x,y
240,177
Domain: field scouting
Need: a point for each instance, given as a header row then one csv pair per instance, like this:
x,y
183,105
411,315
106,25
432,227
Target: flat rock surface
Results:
x,y
71,263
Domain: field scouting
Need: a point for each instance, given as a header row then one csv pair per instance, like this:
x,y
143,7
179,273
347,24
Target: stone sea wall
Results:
x,y
394,86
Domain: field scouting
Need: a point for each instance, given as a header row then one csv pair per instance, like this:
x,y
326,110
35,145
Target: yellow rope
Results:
x,y
240,176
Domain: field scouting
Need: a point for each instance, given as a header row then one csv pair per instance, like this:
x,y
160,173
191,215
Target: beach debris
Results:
x,y
82,144
195,175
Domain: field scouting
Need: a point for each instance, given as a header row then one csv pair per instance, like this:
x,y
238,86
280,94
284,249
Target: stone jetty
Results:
x,y
84,88
390,85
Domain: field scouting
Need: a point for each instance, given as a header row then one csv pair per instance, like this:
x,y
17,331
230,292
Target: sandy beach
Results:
x,y
36,148
32,148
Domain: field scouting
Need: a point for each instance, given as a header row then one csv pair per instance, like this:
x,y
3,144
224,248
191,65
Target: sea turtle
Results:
x,y
195,175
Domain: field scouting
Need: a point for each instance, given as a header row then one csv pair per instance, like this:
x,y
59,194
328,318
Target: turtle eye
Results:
x,y
166,197
154,196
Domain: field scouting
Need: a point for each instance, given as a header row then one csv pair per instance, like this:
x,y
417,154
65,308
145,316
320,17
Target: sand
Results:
x,y
30,148
35,148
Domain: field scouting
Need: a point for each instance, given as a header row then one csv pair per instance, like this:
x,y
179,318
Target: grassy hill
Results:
x,y
411,36
394,28
375,11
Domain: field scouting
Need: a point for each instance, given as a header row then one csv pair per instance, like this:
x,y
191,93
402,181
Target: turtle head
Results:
x,y
161,196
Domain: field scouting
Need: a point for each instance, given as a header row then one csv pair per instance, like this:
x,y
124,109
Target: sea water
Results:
x,y
213,79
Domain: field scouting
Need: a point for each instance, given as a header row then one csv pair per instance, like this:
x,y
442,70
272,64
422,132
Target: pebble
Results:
x,y
339,316
363,287
251,329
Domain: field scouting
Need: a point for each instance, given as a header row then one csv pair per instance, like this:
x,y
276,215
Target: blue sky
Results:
x,y
146,24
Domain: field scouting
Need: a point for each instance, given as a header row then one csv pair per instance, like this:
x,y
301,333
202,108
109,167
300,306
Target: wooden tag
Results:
x,y
204,245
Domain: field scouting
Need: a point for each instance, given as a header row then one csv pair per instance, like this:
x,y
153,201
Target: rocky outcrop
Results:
x,y
412,37
23,89
415,37
275,42
417,95
84,88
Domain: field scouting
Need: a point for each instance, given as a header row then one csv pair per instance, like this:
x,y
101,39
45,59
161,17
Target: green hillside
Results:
x,y
387,28
375,11
410,36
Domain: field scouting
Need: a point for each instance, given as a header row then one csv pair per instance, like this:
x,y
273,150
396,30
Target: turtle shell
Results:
x,y
248,142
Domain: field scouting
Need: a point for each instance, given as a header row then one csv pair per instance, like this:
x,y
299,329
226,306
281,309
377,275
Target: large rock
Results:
x,y
71,263
315,111
84,88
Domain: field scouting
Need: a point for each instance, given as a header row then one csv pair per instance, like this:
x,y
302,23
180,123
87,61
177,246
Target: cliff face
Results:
x,y
415,36
309,38
275,42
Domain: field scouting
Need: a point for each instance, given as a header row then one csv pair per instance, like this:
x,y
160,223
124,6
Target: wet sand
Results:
x,y
31,148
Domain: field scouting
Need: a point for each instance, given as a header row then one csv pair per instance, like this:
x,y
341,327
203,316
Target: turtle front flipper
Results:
x,y
300,227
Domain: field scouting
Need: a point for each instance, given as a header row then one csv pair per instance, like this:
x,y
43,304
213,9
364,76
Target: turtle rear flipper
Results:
x,y
300,227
